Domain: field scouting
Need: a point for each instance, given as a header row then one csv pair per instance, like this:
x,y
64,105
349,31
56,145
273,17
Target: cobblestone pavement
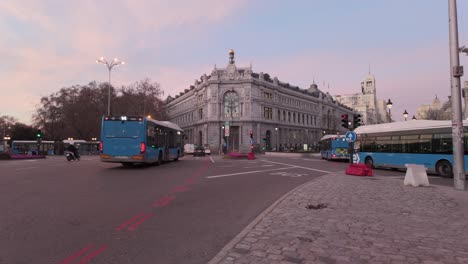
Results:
x,y
366,220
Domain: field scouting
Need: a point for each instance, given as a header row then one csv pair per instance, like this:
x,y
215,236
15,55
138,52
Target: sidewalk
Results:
x,y
366,220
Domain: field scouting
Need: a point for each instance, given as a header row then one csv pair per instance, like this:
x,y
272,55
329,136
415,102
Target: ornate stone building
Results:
x,y
373,111
435,111
224,108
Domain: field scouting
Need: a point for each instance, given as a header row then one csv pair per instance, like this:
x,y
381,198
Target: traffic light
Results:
x,y
357,120
39,136
344,121
251,134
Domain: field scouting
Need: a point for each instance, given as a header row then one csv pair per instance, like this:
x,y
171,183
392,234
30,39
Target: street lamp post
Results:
x,y
221,141
414,118
405,114
456,71
114,62
6,135
277,138
389,106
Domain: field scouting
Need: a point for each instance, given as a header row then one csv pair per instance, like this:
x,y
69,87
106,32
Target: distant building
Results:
x,y
423,110
373,111
435,111
221,110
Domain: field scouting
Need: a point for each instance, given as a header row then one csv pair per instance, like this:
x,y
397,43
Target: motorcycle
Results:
x,y
71,156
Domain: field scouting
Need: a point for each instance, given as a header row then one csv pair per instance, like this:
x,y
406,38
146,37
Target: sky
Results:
x,y
50,44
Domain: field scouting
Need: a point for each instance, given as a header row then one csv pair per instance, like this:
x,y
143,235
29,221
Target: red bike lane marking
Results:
x,y
122,226
165,200
76,255
92,255
179,189
135,225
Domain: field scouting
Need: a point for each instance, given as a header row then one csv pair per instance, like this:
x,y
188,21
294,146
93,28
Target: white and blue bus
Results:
x,y
334,147
29,147
138,139
423,142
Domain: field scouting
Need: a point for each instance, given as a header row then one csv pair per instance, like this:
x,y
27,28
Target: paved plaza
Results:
x,y
339,218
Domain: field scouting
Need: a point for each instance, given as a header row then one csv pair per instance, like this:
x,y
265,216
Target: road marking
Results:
x,y
212,160
126,223
27,168
247,172
295,166
165,200
289,174
139,222
259,166
76,255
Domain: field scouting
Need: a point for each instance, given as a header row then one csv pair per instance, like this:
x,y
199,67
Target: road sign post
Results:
x,y
351,137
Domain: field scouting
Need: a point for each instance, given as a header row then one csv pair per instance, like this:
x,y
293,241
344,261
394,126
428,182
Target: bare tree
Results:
x,y
77,111
437,114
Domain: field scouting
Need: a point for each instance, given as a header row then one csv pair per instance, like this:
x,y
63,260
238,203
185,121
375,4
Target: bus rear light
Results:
x,y
142,147
101,146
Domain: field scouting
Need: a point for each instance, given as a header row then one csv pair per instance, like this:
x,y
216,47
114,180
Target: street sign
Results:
x,y
251,141
351,136
226,131
356,158
226,123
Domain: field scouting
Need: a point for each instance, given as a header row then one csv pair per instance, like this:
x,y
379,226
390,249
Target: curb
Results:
x,y
224,251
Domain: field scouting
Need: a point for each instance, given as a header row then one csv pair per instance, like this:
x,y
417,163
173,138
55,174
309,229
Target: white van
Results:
x,y
189,148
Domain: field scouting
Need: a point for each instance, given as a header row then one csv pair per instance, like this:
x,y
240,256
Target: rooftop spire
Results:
x,y
231,56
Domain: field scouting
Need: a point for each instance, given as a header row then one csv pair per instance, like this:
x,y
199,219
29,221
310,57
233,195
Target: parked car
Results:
x,y
199,151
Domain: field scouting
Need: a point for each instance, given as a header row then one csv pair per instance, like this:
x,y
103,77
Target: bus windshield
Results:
x,y
122,129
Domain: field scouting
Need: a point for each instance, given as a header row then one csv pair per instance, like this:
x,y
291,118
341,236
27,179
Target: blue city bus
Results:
x,y
334,147
137,139
422,142
29,147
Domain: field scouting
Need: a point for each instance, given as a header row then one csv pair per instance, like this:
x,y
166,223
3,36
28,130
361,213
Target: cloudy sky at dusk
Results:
x,y
47,45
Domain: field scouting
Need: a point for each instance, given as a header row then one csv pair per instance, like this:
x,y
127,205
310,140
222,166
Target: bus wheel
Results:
x,y
160,161
369,162
444,169
177,158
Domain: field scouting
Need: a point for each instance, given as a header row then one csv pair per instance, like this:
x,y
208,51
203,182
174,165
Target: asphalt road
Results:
x,y
54,211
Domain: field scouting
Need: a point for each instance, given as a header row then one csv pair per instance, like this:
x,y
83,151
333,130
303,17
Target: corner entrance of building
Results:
x,y
233,139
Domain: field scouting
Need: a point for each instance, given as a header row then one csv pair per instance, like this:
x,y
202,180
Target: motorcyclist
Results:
x,y
74,150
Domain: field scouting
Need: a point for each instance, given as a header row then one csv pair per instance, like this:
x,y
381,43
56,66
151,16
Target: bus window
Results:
x,y
425,143
396,144
409,144
383,144
442,143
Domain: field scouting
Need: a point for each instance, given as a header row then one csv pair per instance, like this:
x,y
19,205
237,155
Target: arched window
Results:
x,y
231,104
